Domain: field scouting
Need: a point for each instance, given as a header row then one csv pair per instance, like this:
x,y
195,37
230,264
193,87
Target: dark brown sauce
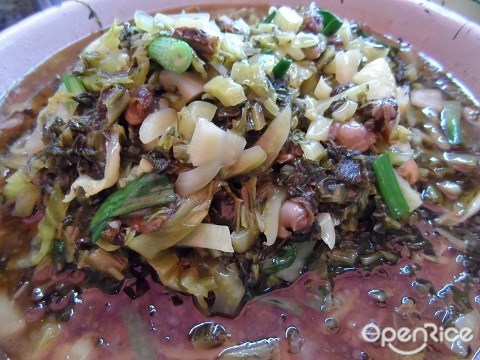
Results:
x,y
304,305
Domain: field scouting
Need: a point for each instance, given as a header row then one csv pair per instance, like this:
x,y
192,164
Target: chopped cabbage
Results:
x,y
380,78
156,124
346,65
319,129
190,214
327,229
288,19
226,90
189,115
322,90
249,160
275,136
27,200
11,318
412,197
189,85
345,111
313,150
271,214
193,180
47,228
209,236
253,76
16,184
199,278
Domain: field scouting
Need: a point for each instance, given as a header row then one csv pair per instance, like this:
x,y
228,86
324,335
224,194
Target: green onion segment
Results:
x,y
270,17
73,84
173,54
388,186
286,256
331,24
280,70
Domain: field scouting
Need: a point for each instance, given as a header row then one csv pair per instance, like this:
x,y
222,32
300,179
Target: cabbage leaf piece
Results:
x,y
108,63
16,184
199,278
209,236
187,218
47,228
275,136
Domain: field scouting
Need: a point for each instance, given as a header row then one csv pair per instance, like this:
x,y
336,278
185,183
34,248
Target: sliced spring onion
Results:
x,y
331,24
58,251
450,121
173,54
388,186
146,191
286,257
73,84
269,18
304,250
280,70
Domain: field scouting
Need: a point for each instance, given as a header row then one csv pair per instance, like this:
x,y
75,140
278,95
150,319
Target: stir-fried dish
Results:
x,y
294,162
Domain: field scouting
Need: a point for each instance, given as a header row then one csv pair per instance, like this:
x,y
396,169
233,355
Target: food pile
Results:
x,y
226,156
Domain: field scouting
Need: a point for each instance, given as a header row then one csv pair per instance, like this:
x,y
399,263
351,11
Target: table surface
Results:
x,y
12,11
